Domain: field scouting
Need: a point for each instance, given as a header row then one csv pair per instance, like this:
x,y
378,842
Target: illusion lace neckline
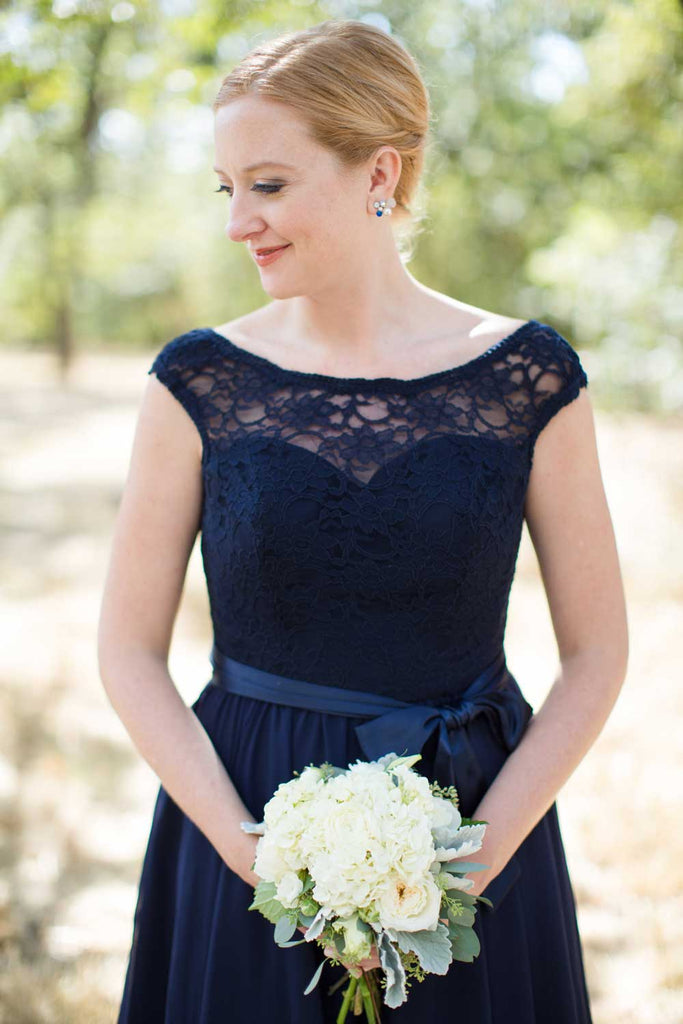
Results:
x,y
390,382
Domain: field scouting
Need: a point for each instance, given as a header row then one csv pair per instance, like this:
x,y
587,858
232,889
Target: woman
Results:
x,y
359,455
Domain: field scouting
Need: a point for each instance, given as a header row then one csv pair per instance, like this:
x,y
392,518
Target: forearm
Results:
x,y
174,743
555,741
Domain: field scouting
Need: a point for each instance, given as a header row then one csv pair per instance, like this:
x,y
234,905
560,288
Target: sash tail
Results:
x,y
401,726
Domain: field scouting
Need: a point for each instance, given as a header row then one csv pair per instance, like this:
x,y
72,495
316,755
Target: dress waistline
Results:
x,y
403,727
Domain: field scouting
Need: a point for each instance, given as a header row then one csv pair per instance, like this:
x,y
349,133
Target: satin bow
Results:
x,y
407,730
401,726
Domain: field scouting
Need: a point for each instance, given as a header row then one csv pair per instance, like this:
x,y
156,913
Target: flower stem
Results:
x,y
374,990
348,996
367,999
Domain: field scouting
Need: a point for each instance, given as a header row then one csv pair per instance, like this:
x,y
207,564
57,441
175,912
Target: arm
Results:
x,y
571,531
155,531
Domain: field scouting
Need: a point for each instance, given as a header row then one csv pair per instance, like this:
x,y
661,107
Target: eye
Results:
x,y
258,187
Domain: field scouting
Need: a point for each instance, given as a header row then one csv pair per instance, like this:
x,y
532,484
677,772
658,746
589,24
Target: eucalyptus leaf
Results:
x,y
466,899
463,866
465,943
315,979
284,929
461,915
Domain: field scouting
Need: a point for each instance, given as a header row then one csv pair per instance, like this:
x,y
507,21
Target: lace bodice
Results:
x,y
362,532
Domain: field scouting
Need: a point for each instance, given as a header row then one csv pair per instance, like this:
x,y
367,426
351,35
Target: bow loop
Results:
x,y
406,730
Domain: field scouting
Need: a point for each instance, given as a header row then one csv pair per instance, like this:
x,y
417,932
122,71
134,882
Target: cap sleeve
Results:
x,y
556,377
183,366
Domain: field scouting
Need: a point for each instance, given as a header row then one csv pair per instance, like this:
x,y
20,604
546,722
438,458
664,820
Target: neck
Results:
x,y
363,319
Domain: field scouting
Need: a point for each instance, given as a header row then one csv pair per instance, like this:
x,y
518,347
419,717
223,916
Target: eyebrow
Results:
x,y
263,163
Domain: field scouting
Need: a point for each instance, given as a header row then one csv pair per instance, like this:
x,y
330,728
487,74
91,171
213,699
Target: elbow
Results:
x,y
123,659
604,665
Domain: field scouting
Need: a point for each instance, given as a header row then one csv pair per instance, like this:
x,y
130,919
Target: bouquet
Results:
x,y
366,855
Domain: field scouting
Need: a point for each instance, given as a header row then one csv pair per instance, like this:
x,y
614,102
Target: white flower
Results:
x,y
372,838
288,889
357,943
269,862
445,814
410,904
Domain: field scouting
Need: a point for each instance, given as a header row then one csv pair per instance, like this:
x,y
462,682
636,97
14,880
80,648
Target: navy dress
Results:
x,y
356,533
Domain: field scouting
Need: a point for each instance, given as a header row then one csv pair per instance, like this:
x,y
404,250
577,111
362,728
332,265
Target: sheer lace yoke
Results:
x,y
364,531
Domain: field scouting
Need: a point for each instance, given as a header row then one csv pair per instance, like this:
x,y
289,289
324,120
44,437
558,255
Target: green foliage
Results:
x,y
264,901
551,188
465,943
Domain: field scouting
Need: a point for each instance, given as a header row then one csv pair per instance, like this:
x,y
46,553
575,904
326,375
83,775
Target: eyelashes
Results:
x,y
259,187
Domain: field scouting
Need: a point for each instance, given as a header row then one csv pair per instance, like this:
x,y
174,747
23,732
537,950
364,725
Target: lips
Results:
x,y
264,258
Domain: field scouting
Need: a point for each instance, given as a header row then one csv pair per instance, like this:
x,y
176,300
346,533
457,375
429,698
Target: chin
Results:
x,y
280,291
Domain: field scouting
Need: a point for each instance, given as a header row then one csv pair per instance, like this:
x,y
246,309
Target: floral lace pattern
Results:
x,y
363,532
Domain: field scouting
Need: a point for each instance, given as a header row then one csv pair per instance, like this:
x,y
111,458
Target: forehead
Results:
x,y
260,164
251,132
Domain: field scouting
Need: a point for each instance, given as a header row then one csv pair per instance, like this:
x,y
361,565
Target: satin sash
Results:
x,y
401,726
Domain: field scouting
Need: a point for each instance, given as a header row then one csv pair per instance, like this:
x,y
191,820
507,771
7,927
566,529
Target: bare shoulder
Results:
x,y
494,327
468,321
250,326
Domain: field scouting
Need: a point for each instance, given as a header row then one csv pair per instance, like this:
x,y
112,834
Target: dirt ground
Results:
x,y
76,799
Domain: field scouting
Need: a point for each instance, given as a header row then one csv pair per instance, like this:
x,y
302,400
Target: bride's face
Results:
x,y
303,198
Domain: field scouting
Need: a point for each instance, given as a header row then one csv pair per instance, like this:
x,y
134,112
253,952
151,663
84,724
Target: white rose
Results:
x,y
410,905
445,814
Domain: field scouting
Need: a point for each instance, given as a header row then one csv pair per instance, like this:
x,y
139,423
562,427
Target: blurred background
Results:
x,y
552,192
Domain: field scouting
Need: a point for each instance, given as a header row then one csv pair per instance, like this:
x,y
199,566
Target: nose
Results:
x,y
243,221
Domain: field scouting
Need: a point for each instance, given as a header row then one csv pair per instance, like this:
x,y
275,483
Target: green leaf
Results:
x,y
461,915
265,901
486,900
465,943
465,898
463,866
284,929
315,979
432,947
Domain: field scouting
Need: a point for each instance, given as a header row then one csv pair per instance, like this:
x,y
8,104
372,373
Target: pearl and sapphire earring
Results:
x,y
384,206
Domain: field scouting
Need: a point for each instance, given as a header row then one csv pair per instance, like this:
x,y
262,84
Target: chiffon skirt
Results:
x,y
199,956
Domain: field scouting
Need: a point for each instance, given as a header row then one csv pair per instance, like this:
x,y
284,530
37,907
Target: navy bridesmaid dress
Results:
x,y
360,534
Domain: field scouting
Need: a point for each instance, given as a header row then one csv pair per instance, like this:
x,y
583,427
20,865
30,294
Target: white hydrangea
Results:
x,y
288,889
370,838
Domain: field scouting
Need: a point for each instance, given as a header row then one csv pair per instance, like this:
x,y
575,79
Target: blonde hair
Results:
x,y
357,89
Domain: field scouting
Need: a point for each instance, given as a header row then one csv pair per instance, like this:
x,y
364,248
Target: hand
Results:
x,y
481,879
245,871
355,969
